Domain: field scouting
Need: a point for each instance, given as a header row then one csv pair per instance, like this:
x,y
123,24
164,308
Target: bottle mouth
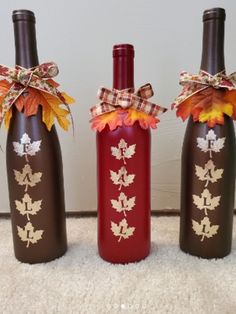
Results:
x,y
214,13
123,50
23,15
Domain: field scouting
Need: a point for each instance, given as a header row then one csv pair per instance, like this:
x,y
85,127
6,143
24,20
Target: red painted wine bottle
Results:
x,y
123,163
208,164
34,167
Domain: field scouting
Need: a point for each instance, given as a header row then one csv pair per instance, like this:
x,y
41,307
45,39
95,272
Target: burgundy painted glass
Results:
x,y
112,247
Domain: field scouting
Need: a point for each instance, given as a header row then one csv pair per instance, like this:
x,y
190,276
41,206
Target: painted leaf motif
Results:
x,y
26,177
123,204
208,173
25,147
204,228
122,230
27,234
121,177
27,207
210,143
123,151
206,201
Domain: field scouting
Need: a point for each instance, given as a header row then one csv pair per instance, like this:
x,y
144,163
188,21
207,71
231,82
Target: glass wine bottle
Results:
x,y
208,164
123,168
34,168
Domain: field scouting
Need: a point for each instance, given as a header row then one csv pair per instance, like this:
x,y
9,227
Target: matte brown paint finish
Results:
x,y
48,161
220,244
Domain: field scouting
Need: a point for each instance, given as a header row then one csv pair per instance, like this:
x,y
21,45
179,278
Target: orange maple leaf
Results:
x,y
121,117
32,98
208,105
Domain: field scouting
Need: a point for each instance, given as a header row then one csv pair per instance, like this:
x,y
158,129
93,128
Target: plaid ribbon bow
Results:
x,y
22,78
113,99
193,84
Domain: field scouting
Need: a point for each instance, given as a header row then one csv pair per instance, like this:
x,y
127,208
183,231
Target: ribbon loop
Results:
x,y
113,99
193,84
23,78
46,70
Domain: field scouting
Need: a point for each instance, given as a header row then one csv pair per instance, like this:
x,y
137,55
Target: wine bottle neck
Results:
x,y
123,72
213,46
25,44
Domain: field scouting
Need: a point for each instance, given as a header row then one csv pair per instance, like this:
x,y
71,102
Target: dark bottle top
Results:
x,y
37,201
136,245
207,205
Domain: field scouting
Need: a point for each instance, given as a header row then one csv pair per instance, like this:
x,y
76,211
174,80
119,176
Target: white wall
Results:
x,y
79,36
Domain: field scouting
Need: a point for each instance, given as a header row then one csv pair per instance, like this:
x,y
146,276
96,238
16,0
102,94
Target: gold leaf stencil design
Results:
x,y
123,204
121,177
206,201
25,147
26,177
208,173
204,228
123,151
121,230
27,207
27,234
210,143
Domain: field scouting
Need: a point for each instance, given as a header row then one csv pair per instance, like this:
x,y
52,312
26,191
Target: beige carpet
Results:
x,y
168,281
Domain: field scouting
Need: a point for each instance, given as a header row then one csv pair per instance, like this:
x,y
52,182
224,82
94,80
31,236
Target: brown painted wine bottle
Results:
x,y
35,175
207,201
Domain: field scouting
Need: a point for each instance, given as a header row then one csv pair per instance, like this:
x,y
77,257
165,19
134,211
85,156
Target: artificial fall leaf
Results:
x,y
121,177
204,228
208,105
122,230
25,147
27,207
31,99
112,119
123,204
206,201
126,117
144,120
208,173
123,151
27,234
210,143
26,177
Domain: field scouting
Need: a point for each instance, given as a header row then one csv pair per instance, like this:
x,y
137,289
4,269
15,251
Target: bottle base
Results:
x,y
205,256
40,261
123,261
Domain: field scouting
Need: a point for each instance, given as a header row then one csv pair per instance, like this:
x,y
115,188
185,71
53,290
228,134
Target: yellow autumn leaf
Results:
x,y
7,119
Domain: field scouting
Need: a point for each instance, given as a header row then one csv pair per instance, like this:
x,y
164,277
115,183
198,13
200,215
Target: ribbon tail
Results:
x,y
6,106
71,117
